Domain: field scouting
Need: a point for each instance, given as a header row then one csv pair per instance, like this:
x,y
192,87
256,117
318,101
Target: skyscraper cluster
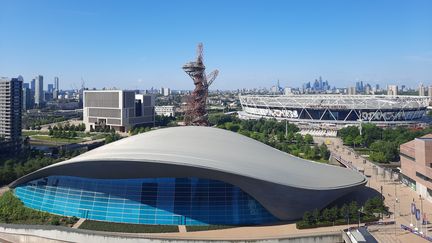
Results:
x,y
34,95
318,86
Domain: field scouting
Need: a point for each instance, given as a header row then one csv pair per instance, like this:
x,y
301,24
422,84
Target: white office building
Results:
x,y
392,90
165,110
165,91
118,109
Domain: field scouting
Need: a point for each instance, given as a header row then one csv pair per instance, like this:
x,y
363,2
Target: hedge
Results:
x,y
127,228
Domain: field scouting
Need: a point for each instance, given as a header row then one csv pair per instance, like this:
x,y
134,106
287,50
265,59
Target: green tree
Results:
x,y
344,211
316,215
326,215
349,140
358,141
308,218
324,152
371,133
308,139
353,210
334,211
378,157
299,138
232,126
290,137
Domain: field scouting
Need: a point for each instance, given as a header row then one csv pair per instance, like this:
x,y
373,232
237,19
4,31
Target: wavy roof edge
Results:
x,y
224,151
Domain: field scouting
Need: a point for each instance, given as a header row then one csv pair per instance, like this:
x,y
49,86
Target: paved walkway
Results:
x,y
251,232
182,228
392,190
78,224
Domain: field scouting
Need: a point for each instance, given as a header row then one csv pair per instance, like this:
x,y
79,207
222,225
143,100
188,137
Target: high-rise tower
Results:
x,y
56,83
39,94
10,114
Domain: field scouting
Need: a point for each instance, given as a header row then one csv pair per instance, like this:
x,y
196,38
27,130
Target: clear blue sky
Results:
x,y
140,44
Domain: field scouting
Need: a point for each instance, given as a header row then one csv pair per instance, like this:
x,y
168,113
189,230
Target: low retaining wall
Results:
x,y
53,234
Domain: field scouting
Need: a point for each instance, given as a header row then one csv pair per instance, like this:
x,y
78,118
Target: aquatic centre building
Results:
x,y
186,176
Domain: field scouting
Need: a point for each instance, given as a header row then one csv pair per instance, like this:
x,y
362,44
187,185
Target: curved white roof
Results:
x,y
225,151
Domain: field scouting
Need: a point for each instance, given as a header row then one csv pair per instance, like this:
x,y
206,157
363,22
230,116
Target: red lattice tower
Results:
x,y
196,114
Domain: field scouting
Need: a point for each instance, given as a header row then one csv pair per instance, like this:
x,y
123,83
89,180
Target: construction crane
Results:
x,y
82,84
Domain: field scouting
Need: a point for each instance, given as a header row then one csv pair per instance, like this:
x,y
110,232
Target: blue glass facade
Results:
x,y
168,201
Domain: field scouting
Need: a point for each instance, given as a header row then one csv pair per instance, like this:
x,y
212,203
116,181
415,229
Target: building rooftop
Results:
x,y
223,151
408,148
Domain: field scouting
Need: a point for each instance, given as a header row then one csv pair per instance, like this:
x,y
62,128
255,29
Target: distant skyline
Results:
x,y
143,44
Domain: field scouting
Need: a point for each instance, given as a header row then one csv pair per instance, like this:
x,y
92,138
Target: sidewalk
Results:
x,y
398,197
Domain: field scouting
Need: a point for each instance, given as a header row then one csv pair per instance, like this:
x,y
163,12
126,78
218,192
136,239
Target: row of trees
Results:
x,y
66,131
383,144
112,137
13,167
62,134
347,213
67,127
16,167
280,135
165,121
102,129
160,121
137,130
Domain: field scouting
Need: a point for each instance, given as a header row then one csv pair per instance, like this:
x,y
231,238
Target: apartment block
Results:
x,y
10,114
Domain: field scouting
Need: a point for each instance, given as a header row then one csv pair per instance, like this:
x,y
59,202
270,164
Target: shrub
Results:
x,y
12,210
129,228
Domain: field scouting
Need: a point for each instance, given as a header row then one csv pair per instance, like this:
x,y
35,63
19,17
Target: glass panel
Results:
x,y
191,201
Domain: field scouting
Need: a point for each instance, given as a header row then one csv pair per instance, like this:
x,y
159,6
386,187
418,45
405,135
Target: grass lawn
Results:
x,y
99,136
31,133
363,151
59,140
192,228
127,228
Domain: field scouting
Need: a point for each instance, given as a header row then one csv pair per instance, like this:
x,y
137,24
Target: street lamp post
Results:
x,y
382,201
360,211
395,190
421,214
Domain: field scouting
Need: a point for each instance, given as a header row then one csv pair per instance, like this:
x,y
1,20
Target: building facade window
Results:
x,y
408,181
407,157
168,201
423,177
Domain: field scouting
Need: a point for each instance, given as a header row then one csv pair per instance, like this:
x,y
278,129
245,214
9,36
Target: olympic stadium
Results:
x,y
186,176
336,111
